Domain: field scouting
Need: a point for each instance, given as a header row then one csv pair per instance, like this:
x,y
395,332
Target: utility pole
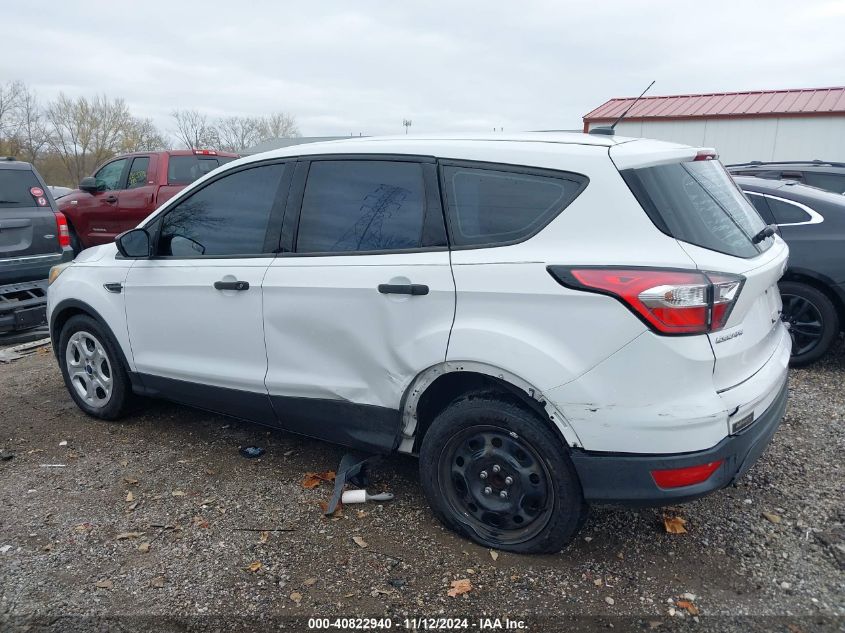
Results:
x,y
407,123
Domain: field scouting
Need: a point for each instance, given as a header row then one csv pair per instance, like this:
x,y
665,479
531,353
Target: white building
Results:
x,y
743,126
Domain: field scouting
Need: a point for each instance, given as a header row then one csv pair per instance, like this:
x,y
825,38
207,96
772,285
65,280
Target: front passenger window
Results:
x,y
227,217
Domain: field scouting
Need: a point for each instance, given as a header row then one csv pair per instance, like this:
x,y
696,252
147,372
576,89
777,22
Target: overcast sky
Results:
x,y
349,67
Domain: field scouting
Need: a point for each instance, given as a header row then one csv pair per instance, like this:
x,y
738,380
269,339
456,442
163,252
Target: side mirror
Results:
x,y
134,244
88,184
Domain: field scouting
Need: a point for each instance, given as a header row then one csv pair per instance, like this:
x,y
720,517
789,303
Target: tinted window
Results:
x,y
227,217
108,178
183,170
830,182
14,188
138,172
786,213
361,205
698,202
487,206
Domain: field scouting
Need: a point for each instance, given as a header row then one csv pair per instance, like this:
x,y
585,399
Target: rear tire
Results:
x,y
483,445
813,321
92,368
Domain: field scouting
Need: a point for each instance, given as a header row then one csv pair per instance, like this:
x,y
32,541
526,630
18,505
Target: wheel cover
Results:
x,y
496,484
89,369
805,323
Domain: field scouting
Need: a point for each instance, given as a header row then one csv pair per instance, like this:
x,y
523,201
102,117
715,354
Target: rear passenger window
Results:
x,y
786,213
138,172
491,206
361,205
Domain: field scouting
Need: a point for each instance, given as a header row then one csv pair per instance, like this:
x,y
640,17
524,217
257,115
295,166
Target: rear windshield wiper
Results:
x,y
766,231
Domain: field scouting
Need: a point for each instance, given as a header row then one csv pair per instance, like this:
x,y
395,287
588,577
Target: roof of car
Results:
x,y
788,188
5,163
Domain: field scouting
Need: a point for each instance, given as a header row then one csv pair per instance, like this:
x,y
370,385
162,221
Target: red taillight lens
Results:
x,y
691,475
706,154
62,230
669,301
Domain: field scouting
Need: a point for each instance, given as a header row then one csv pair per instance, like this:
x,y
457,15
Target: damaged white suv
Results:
x,y
548,320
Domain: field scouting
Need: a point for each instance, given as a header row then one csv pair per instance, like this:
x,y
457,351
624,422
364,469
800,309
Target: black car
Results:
x,y
812,222
815,173
33,238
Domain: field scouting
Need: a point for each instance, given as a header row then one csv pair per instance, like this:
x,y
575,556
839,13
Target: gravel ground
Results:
x,y
158,523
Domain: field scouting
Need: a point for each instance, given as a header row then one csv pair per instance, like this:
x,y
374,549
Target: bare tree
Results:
x,y
86,132
142,136
9,102
279,125
32,132
194,129
236,133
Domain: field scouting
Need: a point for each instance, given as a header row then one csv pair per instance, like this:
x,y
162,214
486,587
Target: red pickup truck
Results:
x,y
127,188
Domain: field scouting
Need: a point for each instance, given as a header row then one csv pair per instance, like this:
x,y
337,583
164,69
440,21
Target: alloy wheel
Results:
x,y
805,323
89,369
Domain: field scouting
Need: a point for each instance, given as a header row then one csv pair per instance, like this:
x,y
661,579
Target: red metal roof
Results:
x,y
809,101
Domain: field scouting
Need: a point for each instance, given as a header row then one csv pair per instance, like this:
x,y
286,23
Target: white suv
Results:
x,y
547,320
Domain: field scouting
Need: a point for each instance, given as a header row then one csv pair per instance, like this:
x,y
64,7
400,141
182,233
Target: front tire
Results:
x,y
813,321
493,471
92,368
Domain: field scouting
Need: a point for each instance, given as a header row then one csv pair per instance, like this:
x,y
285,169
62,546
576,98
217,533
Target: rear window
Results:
x,y
183,170
498,206
14,188
699,203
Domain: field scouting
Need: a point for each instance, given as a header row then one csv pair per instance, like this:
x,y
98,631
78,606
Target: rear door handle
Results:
x,y
111,199
231,285
403,289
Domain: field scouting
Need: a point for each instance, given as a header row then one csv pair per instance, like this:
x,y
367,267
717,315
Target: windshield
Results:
x,y
699,203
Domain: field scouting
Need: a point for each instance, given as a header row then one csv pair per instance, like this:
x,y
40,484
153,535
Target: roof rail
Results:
x,y
815,161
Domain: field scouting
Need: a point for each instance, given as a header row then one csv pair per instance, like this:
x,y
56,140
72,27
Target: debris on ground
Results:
x,y
11,354
362,496
460,587
674,524
313,480
251,452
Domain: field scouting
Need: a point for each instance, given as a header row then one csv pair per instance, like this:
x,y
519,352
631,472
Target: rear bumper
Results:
x,y
622,478
23,306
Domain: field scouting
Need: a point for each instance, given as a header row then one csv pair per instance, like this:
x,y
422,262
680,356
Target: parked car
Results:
x,y
815,173
33,239
59,191
126,189
812,222
529,314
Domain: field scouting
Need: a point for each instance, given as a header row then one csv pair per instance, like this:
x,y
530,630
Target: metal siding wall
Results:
x,y
741,140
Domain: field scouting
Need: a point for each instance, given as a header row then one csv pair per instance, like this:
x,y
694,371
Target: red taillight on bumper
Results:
x,y
669,301
689,476
62,230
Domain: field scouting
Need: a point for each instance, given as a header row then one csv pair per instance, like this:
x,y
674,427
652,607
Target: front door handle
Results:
x,y
231,285
111,199
403,289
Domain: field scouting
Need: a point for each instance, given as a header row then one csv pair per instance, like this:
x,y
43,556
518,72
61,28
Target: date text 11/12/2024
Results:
x,y
418,624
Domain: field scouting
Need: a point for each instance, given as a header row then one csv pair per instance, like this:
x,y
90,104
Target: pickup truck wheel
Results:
x,y
496,473
92,369
812,320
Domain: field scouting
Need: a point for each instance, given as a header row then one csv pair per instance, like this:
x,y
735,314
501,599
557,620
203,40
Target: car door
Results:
x,y
96,211
137,200
360,300
194,308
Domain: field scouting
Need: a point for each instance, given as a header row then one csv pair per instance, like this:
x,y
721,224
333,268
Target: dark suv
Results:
x,y
33,238
815,173
812,222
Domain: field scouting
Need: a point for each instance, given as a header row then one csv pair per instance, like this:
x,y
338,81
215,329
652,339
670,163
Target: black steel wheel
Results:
x,y
812,320
498,474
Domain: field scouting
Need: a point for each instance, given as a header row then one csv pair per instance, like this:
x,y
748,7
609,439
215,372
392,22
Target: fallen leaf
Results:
x,y
296,597
674,525
144,547
124,463
254,566
494,554
598,582
309,582
460,587
157,582
130,496
130,481
127,535
83,527
312,480
199,522
207,502
132,506
104,584
359,541
774,518
264,536
689,606
178,493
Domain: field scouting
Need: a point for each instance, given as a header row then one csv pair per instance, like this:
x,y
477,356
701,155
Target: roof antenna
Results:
x,y
609,130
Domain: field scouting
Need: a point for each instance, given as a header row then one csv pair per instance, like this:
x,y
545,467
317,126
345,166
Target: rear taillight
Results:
x,y
669,301
689,476
62,230
706,154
